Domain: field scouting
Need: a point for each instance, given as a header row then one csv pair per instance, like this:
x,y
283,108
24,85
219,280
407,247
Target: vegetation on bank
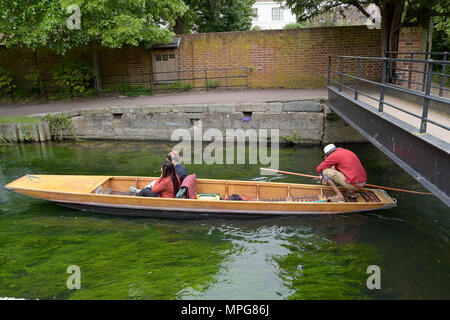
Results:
x,y
75,79
290,140
60,125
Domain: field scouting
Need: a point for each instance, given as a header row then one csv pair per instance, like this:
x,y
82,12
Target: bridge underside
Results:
x,y
423,156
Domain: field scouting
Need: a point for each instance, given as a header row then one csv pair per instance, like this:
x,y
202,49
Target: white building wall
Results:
x,y
264,19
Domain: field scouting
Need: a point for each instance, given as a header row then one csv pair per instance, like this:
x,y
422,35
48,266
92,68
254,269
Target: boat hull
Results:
x,y
174,213
106,195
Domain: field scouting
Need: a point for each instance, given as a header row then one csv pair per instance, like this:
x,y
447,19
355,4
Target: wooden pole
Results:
x,y
366,185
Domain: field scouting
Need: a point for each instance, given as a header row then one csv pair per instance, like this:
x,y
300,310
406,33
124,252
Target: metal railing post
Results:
x,y
45,90
410,71
329,71
358,68
426,104
226,77
383,81
388,70
71,90
246,73
206,78
123,84
443,77
341,71
150,76
95,85
12,93
426,57
39,89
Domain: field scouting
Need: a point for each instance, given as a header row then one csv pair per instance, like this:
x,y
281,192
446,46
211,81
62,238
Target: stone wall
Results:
x,y
24,132
310,120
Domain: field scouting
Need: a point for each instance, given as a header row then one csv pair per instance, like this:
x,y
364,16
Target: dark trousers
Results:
x,y
147,192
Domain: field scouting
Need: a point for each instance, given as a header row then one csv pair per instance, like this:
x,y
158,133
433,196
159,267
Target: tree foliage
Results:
x,y
216,16
394,13
441,34
112,23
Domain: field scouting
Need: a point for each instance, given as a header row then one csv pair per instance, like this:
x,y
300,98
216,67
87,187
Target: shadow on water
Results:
x,y
322,257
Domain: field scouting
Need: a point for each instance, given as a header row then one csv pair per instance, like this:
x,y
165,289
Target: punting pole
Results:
x,y
366,185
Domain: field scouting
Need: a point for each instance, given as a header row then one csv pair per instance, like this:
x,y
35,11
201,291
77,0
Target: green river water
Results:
x,y
321,257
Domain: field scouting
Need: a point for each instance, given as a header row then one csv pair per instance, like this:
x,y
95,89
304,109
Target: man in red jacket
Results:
x,y
343,167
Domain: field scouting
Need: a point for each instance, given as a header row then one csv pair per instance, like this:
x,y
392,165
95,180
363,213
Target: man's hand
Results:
x,y
323,180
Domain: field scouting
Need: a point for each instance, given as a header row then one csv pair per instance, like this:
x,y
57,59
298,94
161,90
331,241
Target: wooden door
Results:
x,y
164,65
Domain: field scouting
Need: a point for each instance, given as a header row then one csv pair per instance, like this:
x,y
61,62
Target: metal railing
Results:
x,y
146,81
426,95
410,70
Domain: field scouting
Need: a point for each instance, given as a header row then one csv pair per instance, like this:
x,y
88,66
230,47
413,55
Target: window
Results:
x,y
158,57
277,14
165,57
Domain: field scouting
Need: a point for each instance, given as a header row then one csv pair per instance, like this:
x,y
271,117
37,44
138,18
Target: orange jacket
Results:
x,y
165,187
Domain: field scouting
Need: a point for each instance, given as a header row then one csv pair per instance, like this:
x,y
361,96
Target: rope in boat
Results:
x,y
31,177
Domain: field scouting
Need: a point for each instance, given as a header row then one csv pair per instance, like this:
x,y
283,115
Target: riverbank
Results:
x,y
300,116
297,121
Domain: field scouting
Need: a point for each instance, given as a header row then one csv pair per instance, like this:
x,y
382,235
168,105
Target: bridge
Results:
x,y
401,104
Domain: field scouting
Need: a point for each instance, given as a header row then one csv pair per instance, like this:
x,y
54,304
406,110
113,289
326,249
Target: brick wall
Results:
x,y
413,39
296,58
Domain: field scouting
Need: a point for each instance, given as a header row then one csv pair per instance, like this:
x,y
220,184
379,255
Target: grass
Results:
x,y
19,119
175,85
129,90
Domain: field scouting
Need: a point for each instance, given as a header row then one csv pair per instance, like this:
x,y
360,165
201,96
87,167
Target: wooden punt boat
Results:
x,y
108,195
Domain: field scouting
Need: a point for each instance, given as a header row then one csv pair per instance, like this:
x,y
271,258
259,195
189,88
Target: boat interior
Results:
x,y
253,190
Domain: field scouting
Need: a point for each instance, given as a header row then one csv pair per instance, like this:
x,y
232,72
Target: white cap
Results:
x,y
329,148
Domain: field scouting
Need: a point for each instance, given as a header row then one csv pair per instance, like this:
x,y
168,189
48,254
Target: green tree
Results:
x,y
441,33
110,23
215,16
394,14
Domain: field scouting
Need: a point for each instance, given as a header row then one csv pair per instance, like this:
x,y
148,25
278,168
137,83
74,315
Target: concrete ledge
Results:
x,y
25,132
252,107
305,118
190,108
228,108
302,106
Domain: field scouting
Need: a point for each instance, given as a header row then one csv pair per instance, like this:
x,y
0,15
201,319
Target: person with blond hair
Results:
x,y
174,157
